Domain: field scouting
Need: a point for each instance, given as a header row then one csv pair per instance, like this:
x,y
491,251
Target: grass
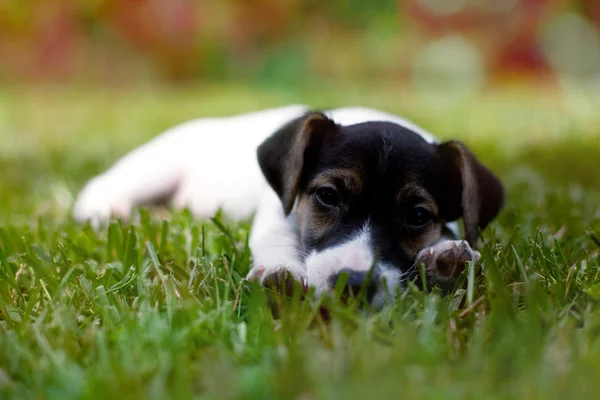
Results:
x,y
156,309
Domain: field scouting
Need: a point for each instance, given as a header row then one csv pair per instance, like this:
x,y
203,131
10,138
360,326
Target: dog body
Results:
x,y
355,191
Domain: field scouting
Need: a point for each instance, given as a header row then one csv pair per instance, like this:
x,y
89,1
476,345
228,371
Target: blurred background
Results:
x,y
82,82
458,44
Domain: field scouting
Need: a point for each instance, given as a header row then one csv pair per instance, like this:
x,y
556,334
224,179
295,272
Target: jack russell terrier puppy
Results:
x,y
352,192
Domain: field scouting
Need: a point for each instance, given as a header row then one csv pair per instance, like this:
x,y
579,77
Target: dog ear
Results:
x,y
289,153
471,191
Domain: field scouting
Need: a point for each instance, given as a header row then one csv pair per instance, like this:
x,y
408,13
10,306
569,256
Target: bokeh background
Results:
x,y
82,82
458,44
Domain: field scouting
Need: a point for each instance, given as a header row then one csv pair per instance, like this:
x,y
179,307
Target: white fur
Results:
x,y
355,254
211,163
391,277
207,163
274,240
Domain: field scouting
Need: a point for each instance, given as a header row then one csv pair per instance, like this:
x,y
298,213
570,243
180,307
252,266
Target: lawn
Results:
x,y
157,309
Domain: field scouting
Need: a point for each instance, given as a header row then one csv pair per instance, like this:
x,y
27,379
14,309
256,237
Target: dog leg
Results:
x,y
150,173
205,165
274,244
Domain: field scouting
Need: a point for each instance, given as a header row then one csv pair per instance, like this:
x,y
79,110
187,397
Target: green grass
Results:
x,y
157,310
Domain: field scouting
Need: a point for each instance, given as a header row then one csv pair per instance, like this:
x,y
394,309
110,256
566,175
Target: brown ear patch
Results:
x,y
303,155
470,190
291,151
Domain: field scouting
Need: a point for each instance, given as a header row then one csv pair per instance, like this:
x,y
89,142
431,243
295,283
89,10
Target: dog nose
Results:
x,y
355,281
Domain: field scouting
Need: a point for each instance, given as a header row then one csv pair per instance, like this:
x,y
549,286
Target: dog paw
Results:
x,y
448,258
278,278
98,202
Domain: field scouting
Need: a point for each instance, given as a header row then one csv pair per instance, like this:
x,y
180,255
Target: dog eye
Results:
x,y
418,217
327,196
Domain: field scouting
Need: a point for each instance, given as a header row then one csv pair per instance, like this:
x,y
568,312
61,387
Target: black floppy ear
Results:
x,y
291,151
471,191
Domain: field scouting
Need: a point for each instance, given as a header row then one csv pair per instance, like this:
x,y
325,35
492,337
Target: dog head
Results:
x,y
368,197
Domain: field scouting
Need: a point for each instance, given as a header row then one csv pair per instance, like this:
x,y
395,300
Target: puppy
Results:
x,y
354,193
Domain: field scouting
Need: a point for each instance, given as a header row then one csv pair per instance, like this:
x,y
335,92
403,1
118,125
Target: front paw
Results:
x,y
280,278
447,259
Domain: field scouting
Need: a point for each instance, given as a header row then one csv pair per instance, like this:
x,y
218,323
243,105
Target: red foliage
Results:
x,y
61,39
507,38
166,31
41,44
591,8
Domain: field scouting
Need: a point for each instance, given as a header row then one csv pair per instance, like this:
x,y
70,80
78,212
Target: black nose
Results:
x,y
355,281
